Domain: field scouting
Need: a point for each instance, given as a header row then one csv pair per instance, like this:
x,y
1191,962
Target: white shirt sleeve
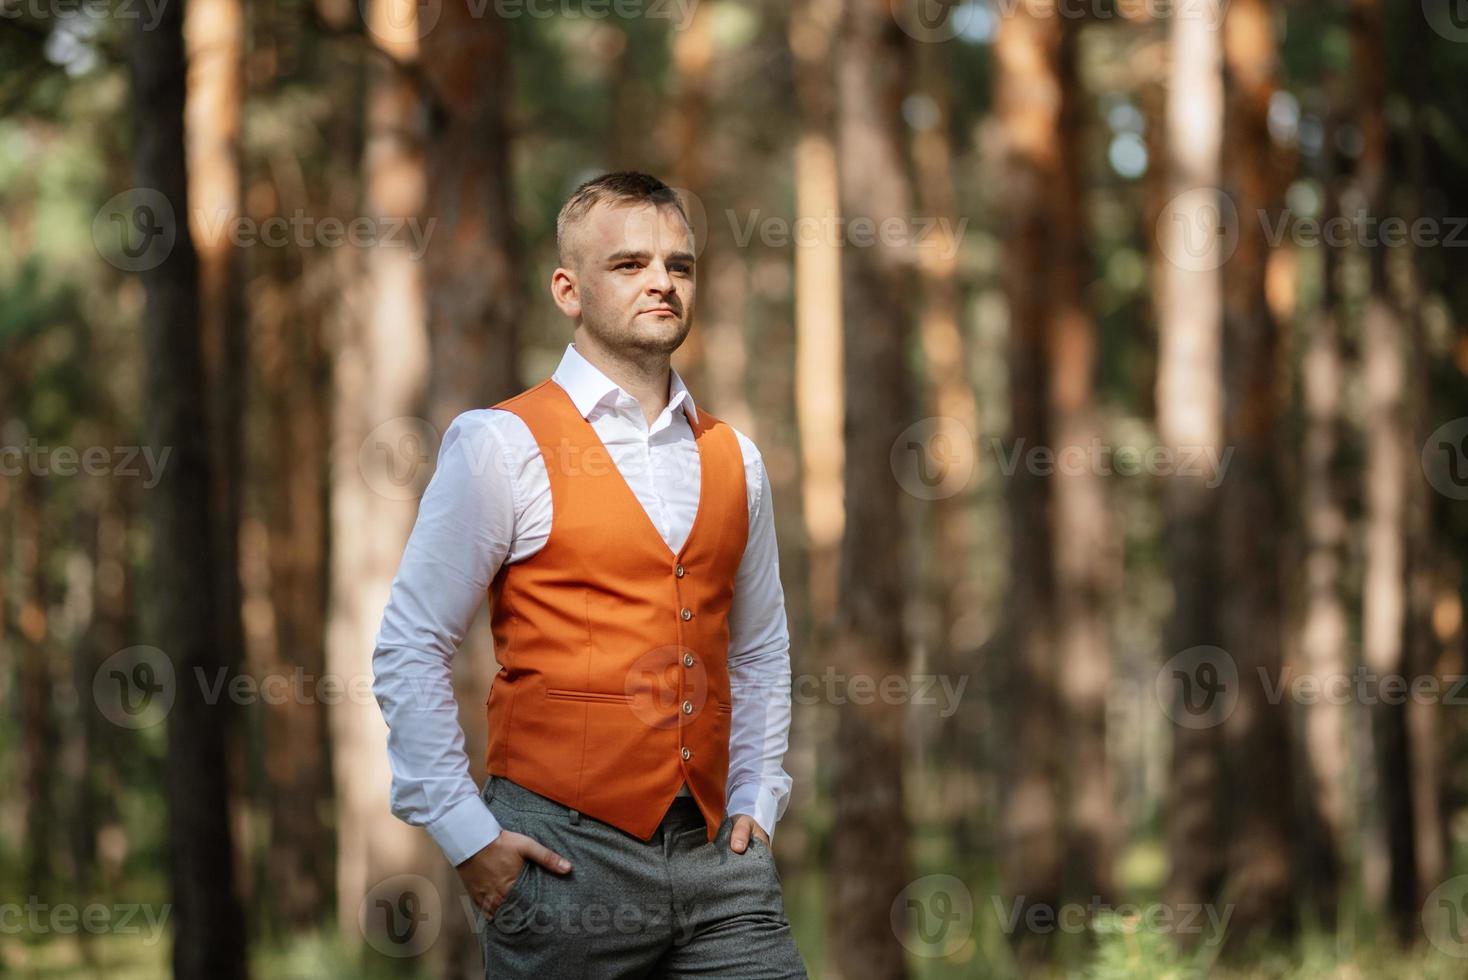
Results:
x,y
461,537
759,669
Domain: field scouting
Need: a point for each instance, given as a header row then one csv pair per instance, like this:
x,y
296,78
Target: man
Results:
x,y
640,716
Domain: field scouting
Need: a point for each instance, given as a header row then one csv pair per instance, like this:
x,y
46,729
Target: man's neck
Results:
x,y
647,379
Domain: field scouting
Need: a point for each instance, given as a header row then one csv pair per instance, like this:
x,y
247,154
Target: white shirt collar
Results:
x,y
588,386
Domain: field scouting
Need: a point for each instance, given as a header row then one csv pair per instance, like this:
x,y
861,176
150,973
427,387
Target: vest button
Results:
x,y
679,570
688,660
687,753
687,613
688,707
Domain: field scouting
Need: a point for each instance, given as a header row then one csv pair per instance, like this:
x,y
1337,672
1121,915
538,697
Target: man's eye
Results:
x,y
681,268
627,265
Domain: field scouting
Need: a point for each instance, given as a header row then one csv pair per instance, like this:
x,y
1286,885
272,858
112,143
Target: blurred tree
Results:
x,y
1027,97
296,296
1395,553
472,270
1189,308
381,458
209,934
869,861
1258,813
819,396
1083,554
1323,639
214,39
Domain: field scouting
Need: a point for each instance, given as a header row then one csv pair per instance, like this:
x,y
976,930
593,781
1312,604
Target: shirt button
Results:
x,y
688,707
679,570
687,613
688,660
687,753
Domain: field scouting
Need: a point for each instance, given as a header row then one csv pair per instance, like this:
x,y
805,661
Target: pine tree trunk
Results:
x,y
869,862
1258,776
1189,309
381,455
1323,637
1027,100
209,934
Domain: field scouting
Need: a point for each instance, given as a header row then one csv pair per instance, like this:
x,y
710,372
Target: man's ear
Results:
x,y
566,292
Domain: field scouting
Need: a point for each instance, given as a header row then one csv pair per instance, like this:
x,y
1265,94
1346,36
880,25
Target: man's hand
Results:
x,y
744,825
488,875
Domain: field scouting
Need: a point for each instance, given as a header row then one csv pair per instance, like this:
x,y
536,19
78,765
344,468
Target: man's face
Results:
x,y
632,277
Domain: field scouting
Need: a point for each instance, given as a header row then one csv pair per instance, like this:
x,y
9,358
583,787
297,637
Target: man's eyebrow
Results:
x,y
644,256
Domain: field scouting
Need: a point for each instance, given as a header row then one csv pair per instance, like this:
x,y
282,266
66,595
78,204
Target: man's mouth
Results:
x,y
661,311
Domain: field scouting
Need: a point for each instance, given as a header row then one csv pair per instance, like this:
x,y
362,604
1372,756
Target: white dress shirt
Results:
x,y
489,502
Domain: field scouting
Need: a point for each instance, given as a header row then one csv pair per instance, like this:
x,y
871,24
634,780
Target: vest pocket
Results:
x,y
597,697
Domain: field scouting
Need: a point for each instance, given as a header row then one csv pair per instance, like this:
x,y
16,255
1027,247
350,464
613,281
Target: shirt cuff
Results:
x,y
759,802
465,830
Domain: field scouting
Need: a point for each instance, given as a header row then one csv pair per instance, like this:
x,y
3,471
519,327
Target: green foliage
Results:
x,y
1127,950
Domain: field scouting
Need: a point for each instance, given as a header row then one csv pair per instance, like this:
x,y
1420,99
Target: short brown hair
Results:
x,y
625,186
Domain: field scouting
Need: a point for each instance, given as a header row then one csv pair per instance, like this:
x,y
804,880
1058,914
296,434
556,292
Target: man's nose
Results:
x,y
662,279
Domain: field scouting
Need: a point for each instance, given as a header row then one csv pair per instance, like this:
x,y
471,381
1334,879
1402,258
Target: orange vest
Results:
x,y
613,687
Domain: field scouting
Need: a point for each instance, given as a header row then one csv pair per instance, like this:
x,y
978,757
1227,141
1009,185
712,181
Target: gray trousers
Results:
x,y
677,905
